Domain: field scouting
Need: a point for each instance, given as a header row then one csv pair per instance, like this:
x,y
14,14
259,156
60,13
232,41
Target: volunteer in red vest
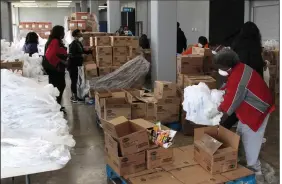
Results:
x,y
247,95
202,42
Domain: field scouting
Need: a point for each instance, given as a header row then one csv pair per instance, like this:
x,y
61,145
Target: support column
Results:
x,y
77,7
83,5
94,8
163,40
113,15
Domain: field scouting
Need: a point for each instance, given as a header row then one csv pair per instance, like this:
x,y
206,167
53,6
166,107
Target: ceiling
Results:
x,y
46,4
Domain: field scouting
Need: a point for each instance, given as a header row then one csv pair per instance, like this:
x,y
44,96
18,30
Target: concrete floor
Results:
x,y
87,165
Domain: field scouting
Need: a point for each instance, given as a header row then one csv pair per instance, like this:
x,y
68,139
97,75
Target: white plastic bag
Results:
x,y
201,104
266,74
83,86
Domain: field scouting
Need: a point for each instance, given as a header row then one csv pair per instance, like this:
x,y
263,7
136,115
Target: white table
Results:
x,y
27,171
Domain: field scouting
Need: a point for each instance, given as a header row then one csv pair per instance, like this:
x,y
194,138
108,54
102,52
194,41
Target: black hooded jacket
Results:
x,y
181,41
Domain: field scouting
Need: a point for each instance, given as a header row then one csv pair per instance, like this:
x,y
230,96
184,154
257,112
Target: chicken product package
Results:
x,y
201,104
33,130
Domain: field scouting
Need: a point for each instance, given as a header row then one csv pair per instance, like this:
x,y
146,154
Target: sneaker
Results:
x,y
74,100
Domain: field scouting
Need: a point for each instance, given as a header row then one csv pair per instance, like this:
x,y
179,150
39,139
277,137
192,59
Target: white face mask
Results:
x,y
200,45
80,39
223,73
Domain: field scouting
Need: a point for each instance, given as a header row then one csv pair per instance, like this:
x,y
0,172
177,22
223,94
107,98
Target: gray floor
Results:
x,y
87,165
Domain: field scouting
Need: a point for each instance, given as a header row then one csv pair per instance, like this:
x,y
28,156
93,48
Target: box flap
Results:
x,y
143,123
110,126
240,172
211,145
155,178
199,132
228,138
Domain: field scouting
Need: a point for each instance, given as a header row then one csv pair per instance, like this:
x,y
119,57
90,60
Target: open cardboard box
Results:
x,y
216,149
130,137
116,107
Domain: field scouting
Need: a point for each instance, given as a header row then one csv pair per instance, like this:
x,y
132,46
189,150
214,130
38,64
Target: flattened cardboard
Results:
x,y
181,159
142,173
240,172
196,175
157,157
216,149
155,178
130,136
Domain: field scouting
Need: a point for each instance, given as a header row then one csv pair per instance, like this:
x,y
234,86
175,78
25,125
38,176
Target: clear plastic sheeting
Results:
x,y
131,74
201,104
33,130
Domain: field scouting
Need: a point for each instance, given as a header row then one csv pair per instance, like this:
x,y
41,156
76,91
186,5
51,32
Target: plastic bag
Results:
x,y
201,104
82,84
266,73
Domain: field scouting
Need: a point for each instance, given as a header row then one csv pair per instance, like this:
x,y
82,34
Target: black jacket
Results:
x,y
250,53
76,52
181,41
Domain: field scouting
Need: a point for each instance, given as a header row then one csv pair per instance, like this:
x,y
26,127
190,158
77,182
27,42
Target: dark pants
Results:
x,y
73,76
230,121
58,80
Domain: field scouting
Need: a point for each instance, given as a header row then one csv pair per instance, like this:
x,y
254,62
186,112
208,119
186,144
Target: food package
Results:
x,y
162,136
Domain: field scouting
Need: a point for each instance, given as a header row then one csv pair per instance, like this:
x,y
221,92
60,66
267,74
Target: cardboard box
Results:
x,y
133,95
166,113
132,51
115,107
195,175
157,157
138,110
181,159
120,41
119,60
73,25
120,51
104,61
81,24
150,107
216,149
127,136
134,42
102,41
164,89
114,68
104,70
104,51
189,80
201,51
91,71
88,58
190,64
155,178
240,172
142,173
80,16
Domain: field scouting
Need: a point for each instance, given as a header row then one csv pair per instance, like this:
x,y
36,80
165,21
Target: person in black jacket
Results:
x,y
181,40
144,42
249,49
76,52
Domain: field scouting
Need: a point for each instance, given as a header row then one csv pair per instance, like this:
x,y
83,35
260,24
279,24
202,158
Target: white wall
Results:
x,y
54,15
6,22
142,14
193,14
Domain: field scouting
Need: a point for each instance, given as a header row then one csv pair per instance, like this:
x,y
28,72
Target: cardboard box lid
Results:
x,y
196,174
110,126
225,136
240,172
209,144
143,123
155,178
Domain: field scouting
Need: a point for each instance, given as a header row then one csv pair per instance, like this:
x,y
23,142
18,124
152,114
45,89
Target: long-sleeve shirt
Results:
x,y
53,51
30,48
248,96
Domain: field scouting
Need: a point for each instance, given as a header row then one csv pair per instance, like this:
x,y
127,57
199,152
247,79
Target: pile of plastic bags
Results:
x,y
33,130
201,104
271,45
32,67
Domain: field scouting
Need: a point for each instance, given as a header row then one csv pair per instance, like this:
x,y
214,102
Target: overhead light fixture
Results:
x,y
27,1
64,1
62,6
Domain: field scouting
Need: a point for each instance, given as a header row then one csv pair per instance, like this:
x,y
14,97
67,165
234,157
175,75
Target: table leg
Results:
x,y
27,179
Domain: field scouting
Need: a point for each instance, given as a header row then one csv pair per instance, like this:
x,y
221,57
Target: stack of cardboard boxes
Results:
x,y
111,52
128,148
41,28
211,159
83,21
191,70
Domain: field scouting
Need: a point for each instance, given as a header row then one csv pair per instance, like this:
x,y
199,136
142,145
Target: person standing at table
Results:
x,y
55,60
31,43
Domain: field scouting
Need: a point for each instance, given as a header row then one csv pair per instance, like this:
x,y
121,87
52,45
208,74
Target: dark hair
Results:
x,y
75,33
249,32
31,37
58,32
226,58
178,24
203,40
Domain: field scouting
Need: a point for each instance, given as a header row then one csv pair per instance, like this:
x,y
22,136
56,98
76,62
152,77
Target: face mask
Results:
x,y
223,73
80,39
200,45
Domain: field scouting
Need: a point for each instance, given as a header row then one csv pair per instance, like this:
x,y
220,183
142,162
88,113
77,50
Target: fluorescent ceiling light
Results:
x,y
64,1
103,6
62,6
27,1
